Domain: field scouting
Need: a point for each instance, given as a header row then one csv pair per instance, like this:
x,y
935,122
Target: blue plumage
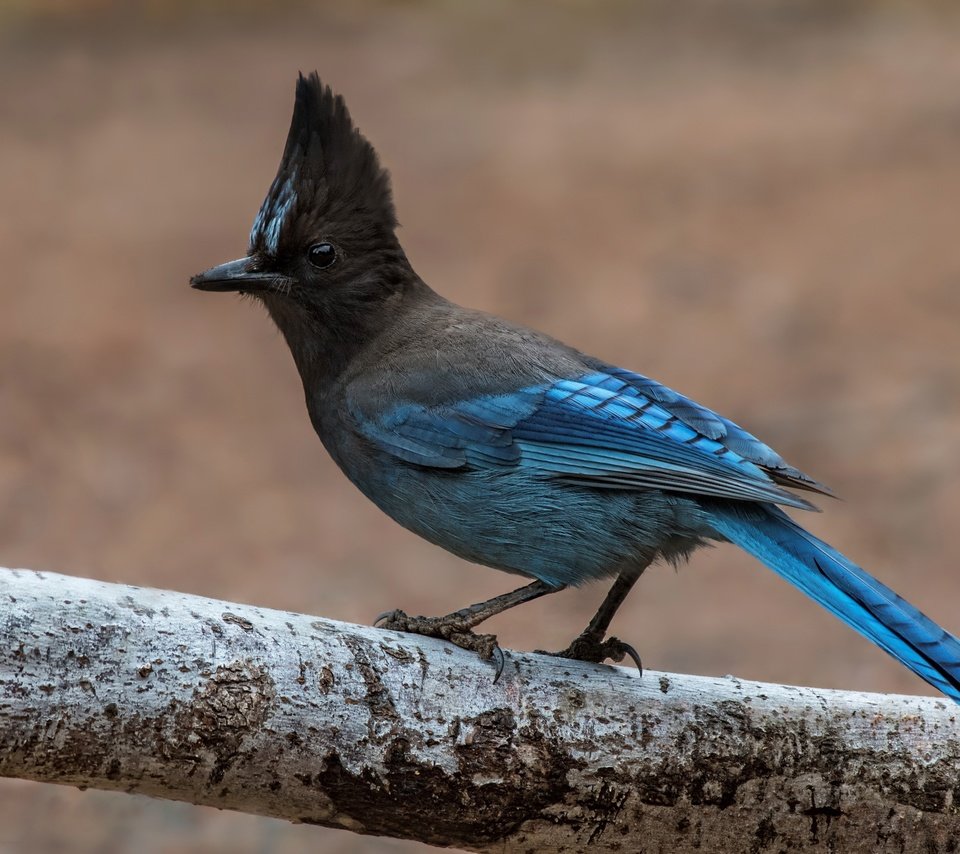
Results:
x,y
583,431
505,446
845,590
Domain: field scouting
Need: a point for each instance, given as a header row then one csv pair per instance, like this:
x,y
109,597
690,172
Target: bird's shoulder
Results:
x,y
443,353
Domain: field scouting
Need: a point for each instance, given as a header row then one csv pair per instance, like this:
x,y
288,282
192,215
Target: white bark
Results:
x,y
311,720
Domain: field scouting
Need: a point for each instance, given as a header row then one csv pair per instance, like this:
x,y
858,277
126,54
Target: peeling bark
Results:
x,y
311,720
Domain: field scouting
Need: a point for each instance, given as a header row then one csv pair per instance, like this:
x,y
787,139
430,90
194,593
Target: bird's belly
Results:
x,y
531,525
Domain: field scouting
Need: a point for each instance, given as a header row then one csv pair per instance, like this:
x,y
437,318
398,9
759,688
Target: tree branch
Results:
x,y
311,720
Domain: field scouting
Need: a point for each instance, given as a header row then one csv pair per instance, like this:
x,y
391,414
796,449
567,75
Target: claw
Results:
x,y
630,651
453,628
498,659
385,616
589,648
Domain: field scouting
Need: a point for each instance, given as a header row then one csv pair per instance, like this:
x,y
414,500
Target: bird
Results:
x,y
505,446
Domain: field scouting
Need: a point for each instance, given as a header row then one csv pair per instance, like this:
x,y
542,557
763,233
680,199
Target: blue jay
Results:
x,y
508,447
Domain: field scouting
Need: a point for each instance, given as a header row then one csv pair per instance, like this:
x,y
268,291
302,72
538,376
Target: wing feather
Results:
x,y
605,430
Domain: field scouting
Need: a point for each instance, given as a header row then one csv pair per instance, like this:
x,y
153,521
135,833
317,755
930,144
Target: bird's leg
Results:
x,y
458,626
590,645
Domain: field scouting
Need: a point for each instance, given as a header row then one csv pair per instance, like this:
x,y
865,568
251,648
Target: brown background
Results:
x,y
757,207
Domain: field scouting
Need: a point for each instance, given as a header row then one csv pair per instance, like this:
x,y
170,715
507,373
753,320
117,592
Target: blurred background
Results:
x,y
755,203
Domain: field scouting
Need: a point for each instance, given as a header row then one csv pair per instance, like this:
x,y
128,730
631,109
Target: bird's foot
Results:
x,y
452,628
589,647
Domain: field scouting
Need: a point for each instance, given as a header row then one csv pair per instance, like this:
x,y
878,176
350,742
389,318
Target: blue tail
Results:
x,y
844,589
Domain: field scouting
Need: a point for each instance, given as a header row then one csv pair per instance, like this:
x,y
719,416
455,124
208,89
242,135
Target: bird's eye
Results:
x,y
322,255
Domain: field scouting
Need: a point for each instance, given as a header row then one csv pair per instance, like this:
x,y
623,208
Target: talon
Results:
x,y
383,617
630,651
586,647
499,661
453,628
615,649
396,620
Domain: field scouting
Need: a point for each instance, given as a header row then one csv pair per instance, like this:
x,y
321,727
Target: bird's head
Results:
x,y
323,252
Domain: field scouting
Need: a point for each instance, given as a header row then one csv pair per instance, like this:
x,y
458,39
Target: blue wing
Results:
x,y
609,429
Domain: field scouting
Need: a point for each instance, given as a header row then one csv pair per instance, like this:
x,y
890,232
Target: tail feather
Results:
x,y
844,589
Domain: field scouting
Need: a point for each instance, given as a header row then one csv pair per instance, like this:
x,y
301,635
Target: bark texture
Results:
x,y
312,720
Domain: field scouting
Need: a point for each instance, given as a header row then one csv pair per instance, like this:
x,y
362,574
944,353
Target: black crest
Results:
x,y
328,174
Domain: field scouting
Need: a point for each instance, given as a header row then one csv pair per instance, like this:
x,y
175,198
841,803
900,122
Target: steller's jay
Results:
x,y
505,446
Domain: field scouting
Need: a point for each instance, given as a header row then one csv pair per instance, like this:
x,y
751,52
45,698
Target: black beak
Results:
x,y
235,276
